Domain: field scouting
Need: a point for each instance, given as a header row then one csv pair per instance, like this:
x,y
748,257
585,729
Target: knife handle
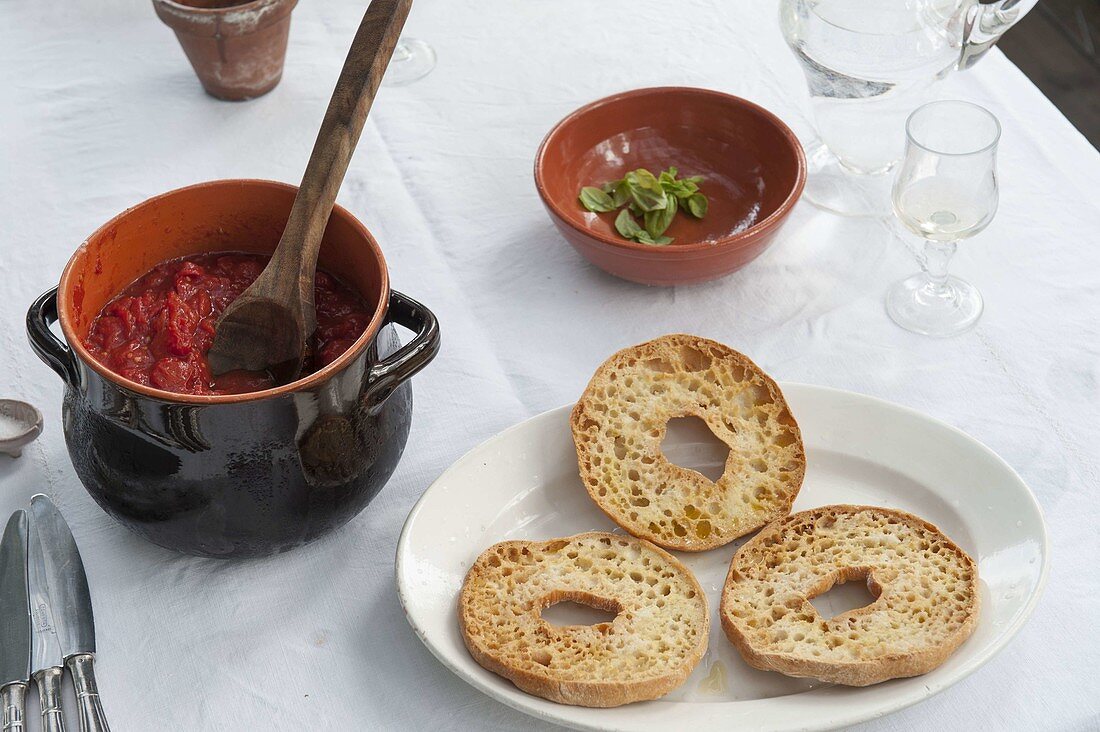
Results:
x,y
13,698
49,698
92,719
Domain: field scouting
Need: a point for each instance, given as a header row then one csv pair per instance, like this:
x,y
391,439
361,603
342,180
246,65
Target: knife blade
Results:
x,y
15,623
72,608
47,661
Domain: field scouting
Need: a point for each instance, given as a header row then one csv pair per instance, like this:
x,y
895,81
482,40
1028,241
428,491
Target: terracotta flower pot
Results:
x,y
236,48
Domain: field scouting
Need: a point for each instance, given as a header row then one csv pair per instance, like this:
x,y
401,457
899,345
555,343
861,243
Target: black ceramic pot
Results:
x,y
234,475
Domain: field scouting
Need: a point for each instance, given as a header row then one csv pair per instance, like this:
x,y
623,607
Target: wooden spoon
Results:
x,y
266,328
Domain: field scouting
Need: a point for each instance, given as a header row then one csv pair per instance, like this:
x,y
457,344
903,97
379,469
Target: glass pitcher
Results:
x,y
868,64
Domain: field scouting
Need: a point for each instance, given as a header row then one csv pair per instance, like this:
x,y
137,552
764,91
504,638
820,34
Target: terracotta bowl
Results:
x,y
753,166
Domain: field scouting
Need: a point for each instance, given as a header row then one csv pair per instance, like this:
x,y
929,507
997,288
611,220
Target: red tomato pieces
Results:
x,y
158,330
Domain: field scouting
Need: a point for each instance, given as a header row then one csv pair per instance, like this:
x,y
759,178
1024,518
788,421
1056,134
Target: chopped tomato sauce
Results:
x,y
158,330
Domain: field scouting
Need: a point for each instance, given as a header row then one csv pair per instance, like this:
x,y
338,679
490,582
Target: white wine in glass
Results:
x,y
945,190
941,210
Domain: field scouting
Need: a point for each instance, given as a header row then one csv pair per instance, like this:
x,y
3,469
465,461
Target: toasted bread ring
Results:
x,y
926,591
657,637
620,420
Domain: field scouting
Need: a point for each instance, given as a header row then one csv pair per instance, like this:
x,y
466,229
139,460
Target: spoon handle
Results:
x,y
347,113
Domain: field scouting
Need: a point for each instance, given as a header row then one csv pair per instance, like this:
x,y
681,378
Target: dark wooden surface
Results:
x,y
1058,46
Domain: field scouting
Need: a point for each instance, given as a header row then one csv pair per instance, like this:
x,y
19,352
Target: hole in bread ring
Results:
x,y
691,444
657,635
925,591
621,429
842,591
563,608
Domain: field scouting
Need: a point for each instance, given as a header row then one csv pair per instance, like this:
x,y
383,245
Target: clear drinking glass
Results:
x,y
868,64
412,59
945,190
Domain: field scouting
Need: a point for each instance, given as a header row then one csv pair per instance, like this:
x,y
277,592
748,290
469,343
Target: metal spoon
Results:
x,y
20,424
267,326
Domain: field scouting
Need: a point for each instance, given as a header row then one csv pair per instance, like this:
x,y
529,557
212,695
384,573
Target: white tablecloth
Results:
x,y
100,110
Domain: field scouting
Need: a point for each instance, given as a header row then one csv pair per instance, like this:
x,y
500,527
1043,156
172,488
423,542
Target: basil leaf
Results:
x,y
657,221
621,194
659,241
653,199
596,200
680,189
697,204
646,190
627,226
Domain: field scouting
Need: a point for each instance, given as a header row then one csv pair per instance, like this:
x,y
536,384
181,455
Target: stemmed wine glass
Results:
x,y
412,59
945,190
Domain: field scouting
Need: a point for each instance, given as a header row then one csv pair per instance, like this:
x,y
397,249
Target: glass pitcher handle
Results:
x,y
985,22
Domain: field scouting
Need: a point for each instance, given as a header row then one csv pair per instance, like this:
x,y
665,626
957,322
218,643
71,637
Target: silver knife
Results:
x,y
47,661
72,609
15,623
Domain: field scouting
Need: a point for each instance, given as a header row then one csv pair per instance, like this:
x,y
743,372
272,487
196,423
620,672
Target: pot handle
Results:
x,y
389,373
53,351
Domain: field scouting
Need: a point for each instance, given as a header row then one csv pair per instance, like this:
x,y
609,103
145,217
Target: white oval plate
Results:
x,y
523,484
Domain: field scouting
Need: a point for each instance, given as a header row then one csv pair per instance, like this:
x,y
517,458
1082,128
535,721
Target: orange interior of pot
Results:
x,y
226,215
